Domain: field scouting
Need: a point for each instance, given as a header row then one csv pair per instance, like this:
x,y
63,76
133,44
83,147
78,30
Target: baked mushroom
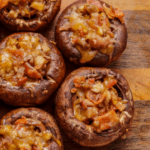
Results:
x,y
29,129
31,68
94,106
28,15
90,32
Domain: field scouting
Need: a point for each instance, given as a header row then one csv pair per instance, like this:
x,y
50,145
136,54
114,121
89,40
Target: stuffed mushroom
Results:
x,y
28,15
31,68
94,106
29,129
90,32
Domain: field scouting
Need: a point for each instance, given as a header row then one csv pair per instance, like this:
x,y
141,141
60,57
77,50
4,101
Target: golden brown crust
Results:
x,y
22,96
72,54
79,131
31,24
44,117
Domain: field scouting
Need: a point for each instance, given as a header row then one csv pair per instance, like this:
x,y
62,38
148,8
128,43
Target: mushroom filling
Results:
x,y
96,102
23,135
24,8
24,60
92,29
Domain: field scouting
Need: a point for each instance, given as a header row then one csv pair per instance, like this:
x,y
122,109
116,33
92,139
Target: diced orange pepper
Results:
x,y
3,3
18,127
32,72
17,53
100,100
75,40
81,31
38,67
90,94
97,3
22,81
21,121
35,148
78,80
111,83
84,104
107,120
91,81
119,13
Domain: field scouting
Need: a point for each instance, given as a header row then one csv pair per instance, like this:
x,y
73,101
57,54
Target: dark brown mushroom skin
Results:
x,y
47,120
72,54
31,24
21,96
80,132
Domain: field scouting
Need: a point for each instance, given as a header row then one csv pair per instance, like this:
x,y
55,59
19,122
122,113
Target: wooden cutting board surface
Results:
x,y
134,64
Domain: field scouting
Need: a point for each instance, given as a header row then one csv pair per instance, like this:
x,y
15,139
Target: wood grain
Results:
x,y
139,81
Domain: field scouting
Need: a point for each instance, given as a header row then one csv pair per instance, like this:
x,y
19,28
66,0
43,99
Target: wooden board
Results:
x,y
134,64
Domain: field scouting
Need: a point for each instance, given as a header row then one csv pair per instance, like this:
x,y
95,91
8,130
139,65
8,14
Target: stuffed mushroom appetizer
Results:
x,y
90,32
29,129
28,15
94,106
31,68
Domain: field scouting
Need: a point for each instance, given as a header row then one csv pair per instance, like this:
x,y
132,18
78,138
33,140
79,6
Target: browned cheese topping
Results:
x,y
96,102
24,60
24,8
25,134
92,30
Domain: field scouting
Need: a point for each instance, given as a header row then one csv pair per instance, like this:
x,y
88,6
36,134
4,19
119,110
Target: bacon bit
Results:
x,y
92,24
84,106
109,11
35,148
89,94
75,40
21,38
91,81
101,22
101,99
107,120
78,80
22,81
119,14
112,13
113,108
73,90
21,121
18,127
111,83
23,148
100,42
17,53
38,67
102,111
3,3
97,3
81,31
32,72
65,27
